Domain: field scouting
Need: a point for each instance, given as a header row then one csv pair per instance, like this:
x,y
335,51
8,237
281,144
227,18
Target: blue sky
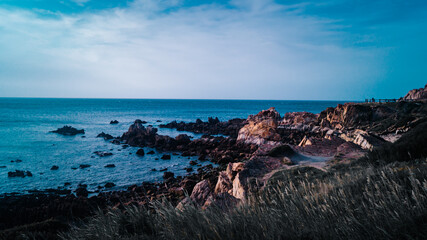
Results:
x,y
238,49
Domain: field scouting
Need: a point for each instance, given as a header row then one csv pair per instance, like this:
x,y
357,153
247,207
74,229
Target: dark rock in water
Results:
x,y
83,166
153,170
166,157
17,161
114,122
19,173
67,184
189,169
2,166
54,167
68,131
167,175
159,121
140,152
81,191
164,169
83,136
109,185
124,146
151,152
105,136
144,122
103,154
74,168
138,135
110,166
116,141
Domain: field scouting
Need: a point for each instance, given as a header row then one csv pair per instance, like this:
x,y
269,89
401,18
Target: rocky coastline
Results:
x,y
248,152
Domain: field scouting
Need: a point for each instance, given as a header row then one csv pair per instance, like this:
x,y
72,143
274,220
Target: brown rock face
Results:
x,y
416,94
261,128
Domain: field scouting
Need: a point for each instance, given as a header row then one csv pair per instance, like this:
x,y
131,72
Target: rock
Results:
x,y
167,175
138,135
83,166
193,163
19,173
158,121
81,191
261,128
151,152
68,131
110,166
166,157
163,170
154,170
416,94
189,169
140,152
54,167
114,122
109,185
2,166
103,154
201,192
105,136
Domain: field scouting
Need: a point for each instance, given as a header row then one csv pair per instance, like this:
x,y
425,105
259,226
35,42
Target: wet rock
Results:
x,y
54,167
67,184
164,169
140,152
189,169
105,136
193,163
110,166
82,191
109,185
154,170
138,135
158,121
167,175
114,122
83,166
68,131
19,173
16,161
103,154
166,157
151,152
2,166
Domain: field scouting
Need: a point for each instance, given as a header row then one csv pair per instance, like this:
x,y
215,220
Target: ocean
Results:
x,y
25,124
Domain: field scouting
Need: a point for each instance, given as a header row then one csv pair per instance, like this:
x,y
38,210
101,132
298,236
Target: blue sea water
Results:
x,y
25,124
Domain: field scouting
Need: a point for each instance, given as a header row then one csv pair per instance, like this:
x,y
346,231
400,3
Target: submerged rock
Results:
x,y
103,154
68,131
19,173
105,136
54,167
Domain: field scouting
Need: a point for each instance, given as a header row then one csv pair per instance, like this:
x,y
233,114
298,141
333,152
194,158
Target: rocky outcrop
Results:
x,y
212,127
68,131
19,173
416,94
105,136
261,128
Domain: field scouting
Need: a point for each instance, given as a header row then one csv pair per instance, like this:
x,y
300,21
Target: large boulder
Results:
x,y
261,128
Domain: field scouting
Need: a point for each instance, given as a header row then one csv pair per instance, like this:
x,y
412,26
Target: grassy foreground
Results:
x,y
387,202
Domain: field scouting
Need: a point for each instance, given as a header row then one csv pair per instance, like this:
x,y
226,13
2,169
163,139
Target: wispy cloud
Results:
x,y
160,49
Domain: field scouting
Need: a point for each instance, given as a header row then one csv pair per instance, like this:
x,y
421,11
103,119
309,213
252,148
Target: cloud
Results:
x,y
159,49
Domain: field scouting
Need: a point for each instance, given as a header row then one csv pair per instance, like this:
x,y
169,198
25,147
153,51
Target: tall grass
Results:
x,y
387,202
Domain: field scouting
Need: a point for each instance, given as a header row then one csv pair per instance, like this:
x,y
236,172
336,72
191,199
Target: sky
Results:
x,y
205,49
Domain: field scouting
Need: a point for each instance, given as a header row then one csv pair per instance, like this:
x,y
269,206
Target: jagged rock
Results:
x,y
54,167
68,131
416,94
305,142
201,192
138,135
261,128
114,122
166,157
